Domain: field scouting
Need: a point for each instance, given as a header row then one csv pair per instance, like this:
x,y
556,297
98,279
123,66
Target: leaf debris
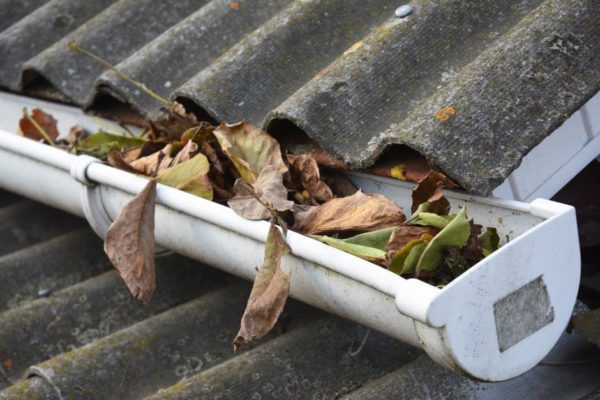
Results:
x,y
269,292
130,244
242,165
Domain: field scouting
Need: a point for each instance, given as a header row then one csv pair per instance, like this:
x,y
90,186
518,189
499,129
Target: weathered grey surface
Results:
x,y
155,353
269,65
38,30
94,309
14,10
471,85
132,352
26,223
570,371
30,389
50,266
184,50
114,34
593,396
509,86
522,313
284,369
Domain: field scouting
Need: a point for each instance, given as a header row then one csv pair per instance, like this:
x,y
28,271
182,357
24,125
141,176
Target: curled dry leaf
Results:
x,y
152,164
190,176
38,125
175,121
430,189
250,149
217,171
188,151
260,200
269,292
306,169
116,160
201,133
340,185
325,159
75,135
130,244
357,213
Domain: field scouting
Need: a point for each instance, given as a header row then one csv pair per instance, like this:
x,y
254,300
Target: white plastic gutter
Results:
x,y
494,322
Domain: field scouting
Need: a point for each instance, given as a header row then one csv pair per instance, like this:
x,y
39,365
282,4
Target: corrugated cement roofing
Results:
x,y
472,85
69,329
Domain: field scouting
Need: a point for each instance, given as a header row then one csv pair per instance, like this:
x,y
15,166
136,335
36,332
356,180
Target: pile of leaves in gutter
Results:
x,y
245,168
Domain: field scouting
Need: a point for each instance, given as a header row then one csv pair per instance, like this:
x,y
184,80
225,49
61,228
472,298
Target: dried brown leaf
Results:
x,y
130,244
472,252
265,196
358,213
405,234
151,164
430,189
305,169
217,172
269,292
116,160
189,150
325,159
339,184
175,122
250,149
76,133
44,121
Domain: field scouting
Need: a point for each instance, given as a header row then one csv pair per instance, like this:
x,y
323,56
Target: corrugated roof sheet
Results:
x,y
69,329
472,85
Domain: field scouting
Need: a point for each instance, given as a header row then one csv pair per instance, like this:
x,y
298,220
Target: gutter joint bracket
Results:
x,y
79,169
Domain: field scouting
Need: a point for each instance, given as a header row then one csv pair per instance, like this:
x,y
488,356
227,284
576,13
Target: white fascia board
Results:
x,y
558,158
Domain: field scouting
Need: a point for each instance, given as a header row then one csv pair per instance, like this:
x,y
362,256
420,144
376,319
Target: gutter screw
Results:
x,y
403,11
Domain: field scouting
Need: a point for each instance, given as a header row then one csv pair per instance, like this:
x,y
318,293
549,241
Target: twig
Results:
x,y
37,126
75,47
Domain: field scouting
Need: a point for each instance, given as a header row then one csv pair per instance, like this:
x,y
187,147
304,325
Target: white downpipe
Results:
x,y
456,326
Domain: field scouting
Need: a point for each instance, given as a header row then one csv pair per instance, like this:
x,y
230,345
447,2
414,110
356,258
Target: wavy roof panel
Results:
x,y
473,86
